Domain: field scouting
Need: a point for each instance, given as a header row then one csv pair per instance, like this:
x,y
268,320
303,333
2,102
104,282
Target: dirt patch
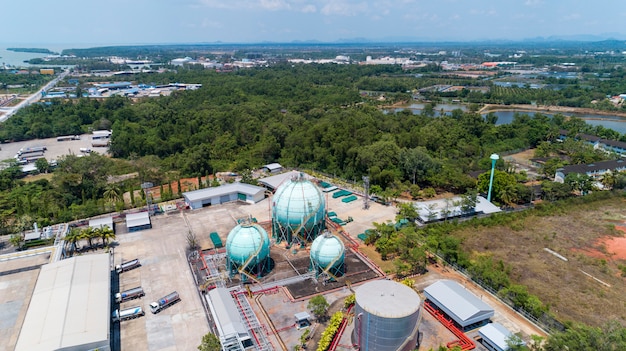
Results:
x,y
585,237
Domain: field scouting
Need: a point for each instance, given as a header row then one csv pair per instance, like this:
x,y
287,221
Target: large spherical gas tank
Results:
x,y
387,316
245,241
327,249
299,201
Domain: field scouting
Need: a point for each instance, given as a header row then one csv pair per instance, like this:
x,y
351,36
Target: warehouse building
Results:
x,y
222,194
467,310
494,337
70,307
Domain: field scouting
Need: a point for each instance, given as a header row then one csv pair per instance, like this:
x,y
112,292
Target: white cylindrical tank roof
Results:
x,y
388,299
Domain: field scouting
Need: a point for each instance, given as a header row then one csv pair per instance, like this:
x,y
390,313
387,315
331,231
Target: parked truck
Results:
x,y
127,266
129,313
129,294
164,302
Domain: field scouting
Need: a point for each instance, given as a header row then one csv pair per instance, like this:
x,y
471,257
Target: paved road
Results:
x,y
33,98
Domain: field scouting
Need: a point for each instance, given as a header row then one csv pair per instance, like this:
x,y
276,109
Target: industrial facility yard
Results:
x,y
163,253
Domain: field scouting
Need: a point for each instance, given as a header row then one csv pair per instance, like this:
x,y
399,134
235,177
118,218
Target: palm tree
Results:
x,y
106,233
112,194
72,238
89,234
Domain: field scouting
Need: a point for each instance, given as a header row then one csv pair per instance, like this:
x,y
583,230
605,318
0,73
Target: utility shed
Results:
x,y
494,336
272,182
467,310
70,307
98,223
224,193
138,221
231,331
273,168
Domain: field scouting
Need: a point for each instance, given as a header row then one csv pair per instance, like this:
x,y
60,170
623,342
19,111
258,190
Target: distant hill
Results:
x,y
33,50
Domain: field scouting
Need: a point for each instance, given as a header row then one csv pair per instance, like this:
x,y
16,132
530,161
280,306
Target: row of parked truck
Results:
x,y
135,293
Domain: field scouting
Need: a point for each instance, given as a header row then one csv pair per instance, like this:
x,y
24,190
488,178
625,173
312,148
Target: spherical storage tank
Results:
x,y
298,210
387,316
327,254
248,248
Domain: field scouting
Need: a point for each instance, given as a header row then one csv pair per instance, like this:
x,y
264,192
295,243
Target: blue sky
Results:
x,y
245,21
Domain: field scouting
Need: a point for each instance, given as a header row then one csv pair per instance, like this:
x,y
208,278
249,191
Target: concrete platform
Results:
x,y
161,251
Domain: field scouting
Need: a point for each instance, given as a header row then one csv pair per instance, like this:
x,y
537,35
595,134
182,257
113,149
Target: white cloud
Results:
x,y
309,9
533,3
571,17
344,8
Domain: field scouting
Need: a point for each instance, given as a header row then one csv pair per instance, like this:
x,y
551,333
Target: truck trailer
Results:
x,y
164,302
127,266
127,314
129,294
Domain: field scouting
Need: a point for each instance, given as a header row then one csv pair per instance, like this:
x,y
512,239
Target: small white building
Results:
x,y
272,168
494,337
224,193
138,221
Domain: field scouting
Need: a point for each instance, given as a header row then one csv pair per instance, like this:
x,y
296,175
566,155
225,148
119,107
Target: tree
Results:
x,y
210,342
42,165
580,182
502,183
319,306
71,238
16,240
105,233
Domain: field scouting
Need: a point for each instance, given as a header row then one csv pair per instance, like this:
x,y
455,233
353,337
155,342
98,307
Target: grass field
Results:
x,y
588,287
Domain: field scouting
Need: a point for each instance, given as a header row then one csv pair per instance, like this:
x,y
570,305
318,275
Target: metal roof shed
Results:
x,y
495,336
70,306
102,222
230,329
273,167
138,221
458,303
272,182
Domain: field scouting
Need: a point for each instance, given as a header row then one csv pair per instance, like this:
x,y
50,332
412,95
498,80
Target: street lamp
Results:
x,y
494,158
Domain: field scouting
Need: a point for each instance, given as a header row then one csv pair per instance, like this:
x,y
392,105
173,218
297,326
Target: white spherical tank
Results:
x,y
327,254
298,210
387,316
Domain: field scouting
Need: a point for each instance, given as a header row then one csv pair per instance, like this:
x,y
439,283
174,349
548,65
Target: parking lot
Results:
x,y
55,149
164,268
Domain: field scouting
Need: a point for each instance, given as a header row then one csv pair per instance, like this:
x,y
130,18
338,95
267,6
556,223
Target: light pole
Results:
x,y
494,158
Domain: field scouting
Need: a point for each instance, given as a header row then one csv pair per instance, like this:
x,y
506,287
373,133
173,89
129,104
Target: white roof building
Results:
x,y
138,221
272,182
224,193
231,331
495,336
70,306
458,303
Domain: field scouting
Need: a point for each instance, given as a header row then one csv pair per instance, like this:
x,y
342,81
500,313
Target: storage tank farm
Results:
x,y
387,317
298,211
327,256
248,251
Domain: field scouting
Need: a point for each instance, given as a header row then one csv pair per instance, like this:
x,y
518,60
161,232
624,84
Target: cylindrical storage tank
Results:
x,y
327,254
248,247
387,316
298,210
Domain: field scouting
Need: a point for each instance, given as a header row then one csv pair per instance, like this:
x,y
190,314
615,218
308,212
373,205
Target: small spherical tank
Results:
x,y
298,205
245,241
327,253
387,316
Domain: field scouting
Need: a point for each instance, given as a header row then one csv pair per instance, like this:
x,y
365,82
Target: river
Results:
x,y
616,123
